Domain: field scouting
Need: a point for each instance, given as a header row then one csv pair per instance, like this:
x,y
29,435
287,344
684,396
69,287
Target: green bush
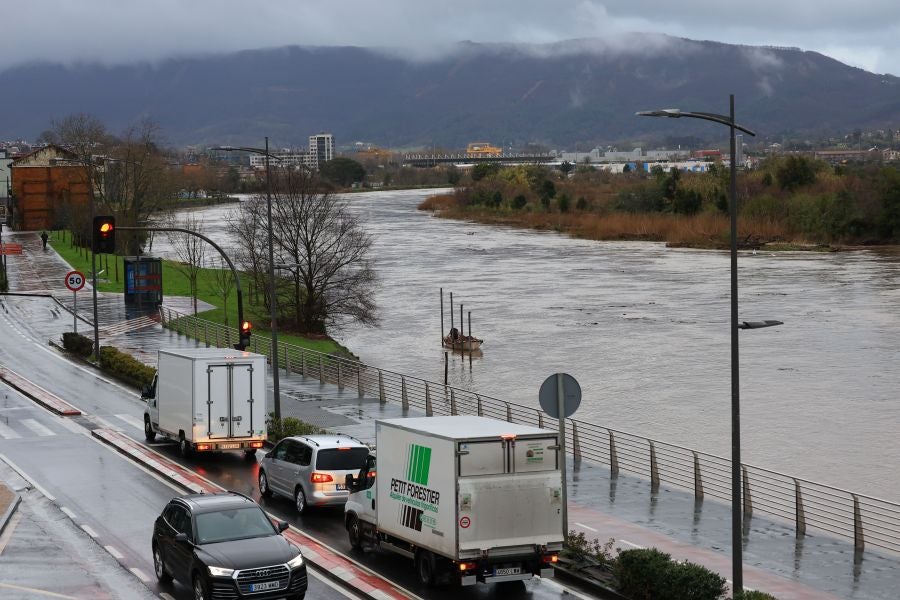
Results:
x,y
648,574
687,581
519,202
77,343
125,366
288,426
753,595
641,572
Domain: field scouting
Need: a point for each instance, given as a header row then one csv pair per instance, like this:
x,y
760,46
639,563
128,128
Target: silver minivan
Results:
x,y
312,469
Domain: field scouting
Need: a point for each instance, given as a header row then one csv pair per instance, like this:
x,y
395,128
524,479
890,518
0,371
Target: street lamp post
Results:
x,y
736,505
273,325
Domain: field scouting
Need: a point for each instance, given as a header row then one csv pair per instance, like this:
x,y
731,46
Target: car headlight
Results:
x,y
296,561
220,571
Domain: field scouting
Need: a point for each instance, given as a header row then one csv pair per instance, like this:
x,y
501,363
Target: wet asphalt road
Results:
x,y
110,497
119,501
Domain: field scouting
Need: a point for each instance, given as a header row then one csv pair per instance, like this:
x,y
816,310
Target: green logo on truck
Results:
x,y
418,464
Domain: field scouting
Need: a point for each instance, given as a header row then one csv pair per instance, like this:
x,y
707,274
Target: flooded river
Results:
x,y
645,330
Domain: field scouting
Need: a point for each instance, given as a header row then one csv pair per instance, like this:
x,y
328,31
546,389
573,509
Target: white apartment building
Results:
x,y
321,148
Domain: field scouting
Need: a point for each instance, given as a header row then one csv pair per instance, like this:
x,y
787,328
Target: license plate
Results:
x,y
229,446
508,571
340,487
267,585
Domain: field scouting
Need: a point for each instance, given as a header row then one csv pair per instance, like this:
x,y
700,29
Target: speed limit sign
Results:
x,y
74,280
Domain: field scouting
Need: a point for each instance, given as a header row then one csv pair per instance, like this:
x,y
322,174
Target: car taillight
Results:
x,y
256,444
550,558
371,474
321,478
203,446
467,566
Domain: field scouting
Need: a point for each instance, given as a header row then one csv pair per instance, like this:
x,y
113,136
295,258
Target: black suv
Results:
x,y
225,547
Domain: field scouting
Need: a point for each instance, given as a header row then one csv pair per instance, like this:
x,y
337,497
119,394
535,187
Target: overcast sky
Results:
x,y
863,33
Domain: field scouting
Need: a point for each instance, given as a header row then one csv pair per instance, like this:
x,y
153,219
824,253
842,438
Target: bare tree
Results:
x,y
127,177
223,285
333,281
189,249
248,223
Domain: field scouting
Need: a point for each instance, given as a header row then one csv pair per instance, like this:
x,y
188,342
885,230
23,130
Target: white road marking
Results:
x,y
28,478
89,531
140,574
342,589
132,460
633,545
10,586
37,427
132,420
8,432
69,513
583,526
72,426
115,553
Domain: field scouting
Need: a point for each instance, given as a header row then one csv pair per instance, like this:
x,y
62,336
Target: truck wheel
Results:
x,y
184,447
354,532
300,500
425,567
149,434
250,455
264,489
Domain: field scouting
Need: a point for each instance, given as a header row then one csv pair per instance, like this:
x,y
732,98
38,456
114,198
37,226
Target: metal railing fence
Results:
x,y
863,519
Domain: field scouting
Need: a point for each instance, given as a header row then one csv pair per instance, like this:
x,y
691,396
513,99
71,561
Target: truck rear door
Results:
x,y
509,494
230,400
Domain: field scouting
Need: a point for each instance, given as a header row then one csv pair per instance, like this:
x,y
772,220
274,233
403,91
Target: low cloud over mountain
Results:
x,y
562,94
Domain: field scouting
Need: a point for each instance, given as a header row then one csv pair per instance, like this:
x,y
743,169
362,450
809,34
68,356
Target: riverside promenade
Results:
x,y
602,506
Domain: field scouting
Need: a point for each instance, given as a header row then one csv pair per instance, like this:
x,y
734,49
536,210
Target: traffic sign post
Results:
x,y
75,281
560,396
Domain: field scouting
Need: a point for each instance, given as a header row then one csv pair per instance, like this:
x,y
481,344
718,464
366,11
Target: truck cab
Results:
x,y
361,503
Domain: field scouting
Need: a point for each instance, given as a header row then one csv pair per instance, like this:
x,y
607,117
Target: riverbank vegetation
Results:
x,y
788,202
209,287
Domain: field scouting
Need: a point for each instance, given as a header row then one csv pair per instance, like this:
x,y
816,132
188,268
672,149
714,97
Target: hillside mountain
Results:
x,y
575,92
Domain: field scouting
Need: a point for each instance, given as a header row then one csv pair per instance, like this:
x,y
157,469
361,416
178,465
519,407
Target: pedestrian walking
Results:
x,y
44,238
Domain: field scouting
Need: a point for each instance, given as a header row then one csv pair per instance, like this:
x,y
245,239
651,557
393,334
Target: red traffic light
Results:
x,y
104,234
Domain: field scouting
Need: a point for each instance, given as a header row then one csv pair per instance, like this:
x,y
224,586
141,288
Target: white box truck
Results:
x,y
469,499
208,399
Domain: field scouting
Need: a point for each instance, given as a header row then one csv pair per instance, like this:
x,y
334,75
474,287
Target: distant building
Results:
x,y
597,156
49,189
321,148
284,159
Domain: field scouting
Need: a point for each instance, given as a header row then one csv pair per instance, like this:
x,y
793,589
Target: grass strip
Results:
x,y
176,283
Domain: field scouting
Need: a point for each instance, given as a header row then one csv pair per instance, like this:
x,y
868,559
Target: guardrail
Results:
x,y
863,519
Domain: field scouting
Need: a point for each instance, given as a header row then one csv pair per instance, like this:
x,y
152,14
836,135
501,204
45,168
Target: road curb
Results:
x,y
10,509
45,398
601,590
314,552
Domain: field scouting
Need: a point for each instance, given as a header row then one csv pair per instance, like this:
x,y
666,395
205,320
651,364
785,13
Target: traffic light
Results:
x,y
104,235
244,339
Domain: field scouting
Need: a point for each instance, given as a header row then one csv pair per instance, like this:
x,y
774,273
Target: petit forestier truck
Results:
x,y
469,499
208,399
